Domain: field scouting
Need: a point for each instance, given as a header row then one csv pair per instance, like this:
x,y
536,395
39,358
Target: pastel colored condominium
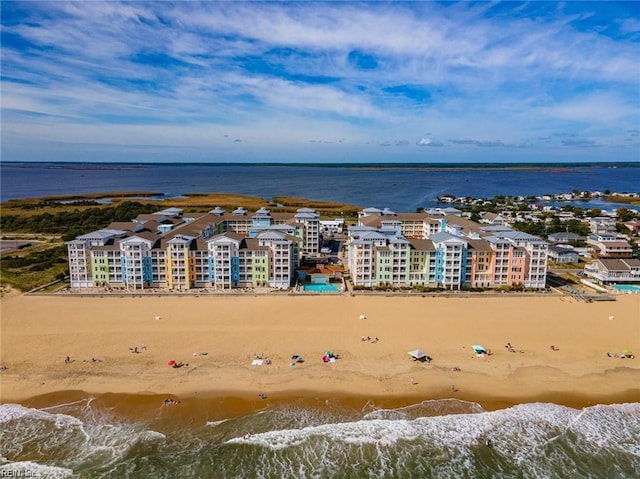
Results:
x,y
225,250
436,249
218,249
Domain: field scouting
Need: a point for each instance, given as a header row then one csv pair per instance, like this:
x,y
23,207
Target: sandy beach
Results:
x,y
220,336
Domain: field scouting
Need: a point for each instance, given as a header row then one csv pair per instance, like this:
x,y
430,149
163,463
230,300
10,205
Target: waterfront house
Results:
x,y
607,271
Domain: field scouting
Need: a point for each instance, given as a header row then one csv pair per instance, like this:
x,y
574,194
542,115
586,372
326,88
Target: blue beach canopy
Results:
x,y
479,349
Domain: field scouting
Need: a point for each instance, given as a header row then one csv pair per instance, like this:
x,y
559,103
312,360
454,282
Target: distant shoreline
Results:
x,y
401,187
435,166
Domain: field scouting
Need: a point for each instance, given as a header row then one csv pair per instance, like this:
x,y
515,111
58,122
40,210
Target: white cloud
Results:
x,y
254,68
603,108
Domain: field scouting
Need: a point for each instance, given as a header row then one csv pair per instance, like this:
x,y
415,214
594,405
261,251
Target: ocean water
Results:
x,y
399,187
432,439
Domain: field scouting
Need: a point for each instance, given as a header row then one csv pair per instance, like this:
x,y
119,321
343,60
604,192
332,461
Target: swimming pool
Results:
x,y
321,288
627,288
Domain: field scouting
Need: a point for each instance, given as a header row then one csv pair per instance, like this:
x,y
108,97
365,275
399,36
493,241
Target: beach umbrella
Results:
x,y
417,354
171,362
627,352
479,349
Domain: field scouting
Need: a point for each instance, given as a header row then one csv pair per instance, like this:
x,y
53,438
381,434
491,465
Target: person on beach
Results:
x,y
67,360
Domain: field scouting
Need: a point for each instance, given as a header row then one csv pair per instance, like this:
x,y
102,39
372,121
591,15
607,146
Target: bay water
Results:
x,y
403,188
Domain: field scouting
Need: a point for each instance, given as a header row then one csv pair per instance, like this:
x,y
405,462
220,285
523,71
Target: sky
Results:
x,y
329,82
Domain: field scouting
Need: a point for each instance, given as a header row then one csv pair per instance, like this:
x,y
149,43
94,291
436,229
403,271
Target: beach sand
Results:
x,y
38,332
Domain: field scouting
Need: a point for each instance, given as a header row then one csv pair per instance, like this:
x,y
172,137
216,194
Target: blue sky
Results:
x,y
321,82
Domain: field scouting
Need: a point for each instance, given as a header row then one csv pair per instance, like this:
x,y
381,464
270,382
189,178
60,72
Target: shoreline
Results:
x,y
212,405
220,337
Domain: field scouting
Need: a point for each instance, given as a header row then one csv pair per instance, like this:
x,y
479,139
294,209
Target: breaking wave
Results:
x,y
445,438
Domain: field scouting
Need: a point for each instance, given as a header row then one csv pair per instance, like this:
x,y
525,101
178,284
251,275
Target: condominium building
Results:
x,y
219,250
441,250
310,219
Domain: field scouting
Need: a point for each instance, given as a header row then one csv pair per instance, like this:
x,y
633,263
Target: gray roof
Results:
x,y
444,237
371,210
177,239
281,227
495,240
137,239
361,229
561,250
399,240
370,236
495,228
307,216
271,235
519,235
170,212
102,234
450,210
564,235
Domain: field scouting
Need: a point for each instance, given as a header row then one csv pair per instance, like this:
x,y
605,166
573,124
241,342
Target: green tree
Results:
x,y
625,214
